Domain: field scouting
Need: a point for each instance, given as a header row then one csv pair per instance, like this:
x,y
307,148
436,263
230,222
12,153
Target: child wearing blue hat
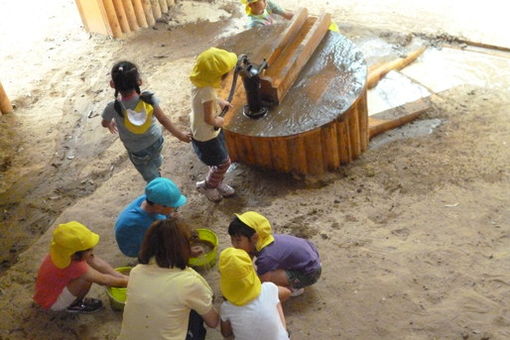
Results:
x,y
161,199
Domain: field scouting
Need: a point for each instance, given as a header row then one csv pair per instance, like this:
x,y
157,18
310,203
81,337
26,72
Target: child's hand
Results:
x,y
185,137
112,127
223,103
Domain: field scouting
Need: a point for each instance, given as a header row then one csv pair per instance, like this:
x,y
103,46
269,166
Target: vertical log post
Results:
x,y
112,18
121,15
140,14
5,103
163,5
147,8
130,15
156,10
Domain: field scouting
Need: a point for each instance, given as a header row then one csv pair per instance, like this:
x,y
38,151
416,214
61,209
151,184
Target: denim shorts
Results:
x,y
211,152
298,279
148,161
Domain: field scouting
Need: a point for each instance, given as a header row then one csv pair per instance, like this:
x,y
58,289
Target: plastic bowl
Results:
x,y
117,295
208,259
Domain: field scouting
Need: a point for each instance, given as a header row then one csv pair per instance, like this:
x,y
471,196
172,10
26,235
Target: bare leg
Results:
x,y
79,287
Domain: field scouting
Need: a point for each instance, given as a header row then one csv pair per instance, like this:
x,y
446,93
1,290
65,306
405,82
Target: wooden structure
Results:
x,y
5,103
318,80
321,121
117,17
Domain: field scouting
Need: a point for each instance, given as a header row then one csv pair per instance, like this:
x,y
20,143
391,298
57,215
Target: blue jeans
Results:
x,y
148,161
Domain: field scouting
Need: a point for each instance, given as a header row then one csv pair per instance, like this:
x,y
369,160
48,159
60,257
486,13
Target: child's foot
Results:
x,y
225,190
211,194
87,305
296,292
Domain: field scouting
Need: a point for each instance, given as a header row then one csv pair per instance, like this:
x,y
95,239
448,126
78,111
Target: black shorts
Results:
x,y
212,152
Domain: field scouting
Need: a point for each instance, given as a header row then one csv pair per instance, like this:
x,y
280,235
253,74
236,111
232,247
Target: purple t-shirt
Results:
x,y
288,253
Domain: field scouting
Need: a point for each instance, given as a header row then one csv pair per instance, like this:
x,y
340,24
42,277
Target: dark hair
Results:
x,y
125,78
239,228
167,241
78,256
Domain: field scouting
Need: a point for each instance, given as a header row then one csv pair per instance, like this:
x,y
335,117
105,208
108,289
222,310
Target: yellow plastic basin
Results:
x,y
117,295
208,259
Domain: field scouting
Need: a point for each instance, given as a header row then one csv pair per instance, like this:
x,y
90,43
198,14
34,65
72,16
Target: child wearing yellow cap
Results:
x,y
261,12
68,271
252,309
211,67
286,260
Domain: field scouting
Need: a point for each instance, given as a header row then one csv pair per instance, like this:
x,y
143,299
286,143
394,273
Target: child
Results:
x,y
67,273
134,116
285,260
260,12
252,309
211,67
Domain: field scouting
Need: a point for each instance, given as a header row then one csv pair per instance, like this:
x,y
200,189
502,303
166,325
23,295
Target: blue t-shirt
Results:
x,y
131,226
288,252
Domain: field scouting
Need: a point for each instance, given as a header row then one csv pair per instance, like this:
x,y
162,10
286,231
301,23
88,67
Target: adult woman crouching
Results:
x,y
166,299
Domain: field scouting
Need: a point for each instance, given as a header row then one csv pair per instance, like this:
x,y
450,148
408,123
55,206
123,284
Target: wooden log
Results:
x,y
314,154
121,16
112,18
344,141
330,149
376,74
280,155
130,15
5,103
363,120
140,14
147,8
288,68
296,148
170,3
156,10
263,153
354,133
396,117
163,5
94,17
231,146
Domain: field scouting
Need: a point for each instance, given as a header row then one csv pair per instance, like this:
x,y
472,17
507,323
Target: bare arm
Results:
x,y
110,125
226,328
283,293
280,312
211,318
92,275
287,15
209,115
165,121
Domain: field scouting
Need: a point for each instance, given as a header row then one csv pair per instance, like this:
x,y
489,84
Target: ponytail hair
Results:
x,y
125,78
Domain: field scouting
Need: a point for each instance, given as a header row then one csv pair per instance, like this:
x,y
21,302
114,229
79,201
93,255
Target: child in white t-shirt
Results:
x,y
252,309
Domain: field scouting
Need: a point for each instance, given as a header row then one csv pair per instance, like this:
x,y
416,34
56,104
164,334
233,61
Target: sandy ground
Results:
x,y
414,235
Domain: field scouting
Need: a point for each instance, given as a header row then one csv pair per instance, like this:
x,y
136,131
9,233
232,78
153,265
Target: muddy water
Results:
x,y
327,86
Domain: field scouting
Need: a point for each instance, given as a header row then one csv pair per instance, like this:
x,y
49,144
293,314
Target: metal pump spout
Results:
x,y
250,73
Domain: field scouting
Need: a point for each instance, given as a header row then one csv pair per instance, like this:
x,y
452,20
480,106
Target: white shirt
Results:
x,y
199,128
258,319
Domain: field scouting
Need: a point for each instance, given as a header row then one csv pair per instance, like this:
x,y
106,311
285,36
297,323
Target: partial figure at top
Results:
x,y
261,12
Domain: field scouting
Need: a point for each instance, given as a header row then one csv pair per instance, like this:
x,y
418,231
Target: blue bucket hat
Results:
x,y
163,191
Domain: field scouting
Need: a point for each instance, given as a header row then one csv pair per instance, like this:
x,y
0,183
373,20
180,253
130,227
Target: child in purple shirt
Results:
x,y
285,260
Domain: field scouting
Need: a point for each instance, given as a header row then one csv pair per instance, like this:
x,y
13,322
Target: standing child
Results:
x,y
68,271
286,260
133,116
252,309
260,12
211,67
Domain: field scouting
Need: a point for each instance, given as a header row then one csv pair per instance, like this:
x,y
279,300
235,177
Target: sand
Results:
x,y
414,236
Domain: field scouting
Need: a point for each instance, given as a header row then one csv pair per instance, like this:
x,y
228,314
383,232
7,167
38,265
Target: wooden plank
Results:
x,y
121,16
140,14
147,8
111,14
396,117
130,15
376,74
5,103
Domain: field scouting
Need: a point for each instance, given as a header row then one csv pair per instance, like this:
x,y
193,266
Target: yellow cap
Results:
x,y
69,238
210,65
239,283
246,4
261,225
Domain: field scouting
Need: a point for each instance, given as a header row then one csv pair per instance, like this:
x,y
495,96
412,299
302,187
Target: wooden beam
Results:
x,y
397,116
376,73
5,103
